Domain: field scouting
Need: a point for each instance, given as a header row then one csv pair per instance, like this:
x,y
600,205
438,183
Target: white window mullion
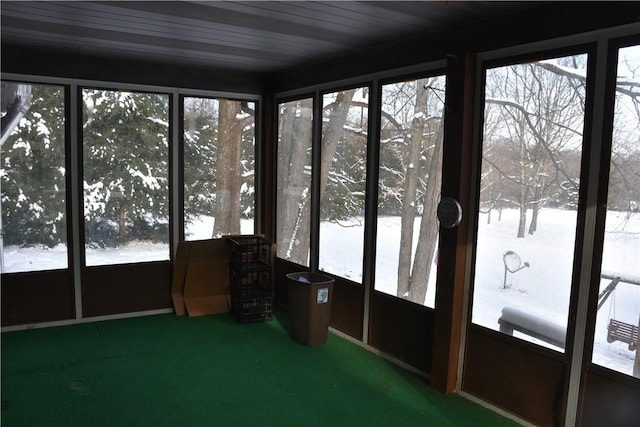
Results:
x,y
586,257
174,178
76,195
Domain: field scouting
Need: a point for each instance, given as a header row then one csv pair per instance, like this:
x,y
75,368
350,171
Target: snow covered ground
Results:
x,y
541,289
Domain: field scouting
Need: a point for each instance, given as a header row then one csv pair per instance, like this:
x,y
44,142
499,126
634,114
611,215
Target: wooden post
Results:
x,y
456,182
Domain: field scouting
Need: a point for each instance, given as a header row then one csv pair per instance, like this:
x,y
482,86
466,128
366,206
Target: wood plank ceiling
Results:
x,y
256,36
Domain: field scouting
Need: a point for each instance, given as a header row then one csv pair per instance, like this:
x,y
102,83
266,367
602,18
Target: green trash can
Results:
x,y
310,296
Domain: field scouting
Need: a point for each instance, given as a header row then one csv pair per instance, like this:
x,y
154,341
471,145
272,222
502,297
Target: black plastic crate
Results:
x,y
254,308
250,279
249,253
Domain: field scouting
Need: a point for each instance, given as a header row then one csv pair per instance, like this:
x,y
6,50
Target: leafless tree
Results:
x,y
541,119
229,169
294,180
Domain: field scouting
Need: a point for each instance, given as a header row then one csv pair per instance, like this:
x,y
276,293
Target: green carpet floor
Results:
x,y
211,371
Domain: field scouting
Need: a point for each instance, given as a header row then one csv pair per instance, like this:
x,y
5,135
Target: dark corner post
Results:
x,y
456,183
267,162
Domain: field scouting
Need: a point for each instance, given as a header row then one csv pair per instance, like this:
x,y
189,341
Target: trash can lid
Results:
x,y
309,278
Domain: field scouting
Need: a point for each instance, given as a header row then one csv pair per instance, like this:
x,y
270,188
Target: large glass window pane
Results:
x,y
293,205
33,200
219,167
125,176
343,170
409,181
531,155
618,316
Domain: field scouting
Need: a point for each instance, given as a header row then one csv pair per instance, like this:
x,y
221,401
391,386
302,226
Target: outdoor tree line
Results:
x,y
219,162
33,167
532,154
125,166
410,163
534,120
410,175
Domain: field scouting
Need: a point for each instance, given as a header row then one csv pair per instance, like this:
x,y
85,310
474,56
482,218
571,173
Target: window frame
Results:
x,y
67,147
81,167
180,218
515,56
317,157
73,163
434,72
303,96
614,45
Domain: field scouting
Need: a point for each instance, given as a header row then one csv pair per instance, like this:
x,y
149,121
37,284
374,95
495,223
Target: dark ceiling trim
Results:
x,y
37,61
539,22
260,36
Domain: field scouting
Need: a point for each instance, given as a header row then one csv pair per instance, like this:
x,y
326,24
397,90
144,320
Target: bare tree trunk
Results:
x,y
427,240
122,221
409,191
228,170
293,223
286,199
522,201
522,221
302,233
293,227
533,226
332,133
301,198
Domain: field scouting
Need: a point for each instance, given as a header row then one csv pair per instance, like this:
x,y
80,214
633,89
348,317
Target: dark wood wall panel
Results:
x,y
280,270
37,297
402,329
347,308
126,288
514,376
609,401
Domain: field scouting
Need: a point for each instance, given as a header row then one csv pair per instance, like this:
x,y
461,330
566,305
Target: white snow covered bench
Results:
x,y
513,319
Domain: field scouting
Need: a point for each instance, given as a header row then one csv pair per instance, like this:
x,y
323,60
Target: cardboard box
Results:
x,y
179,275
201,277
200,283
